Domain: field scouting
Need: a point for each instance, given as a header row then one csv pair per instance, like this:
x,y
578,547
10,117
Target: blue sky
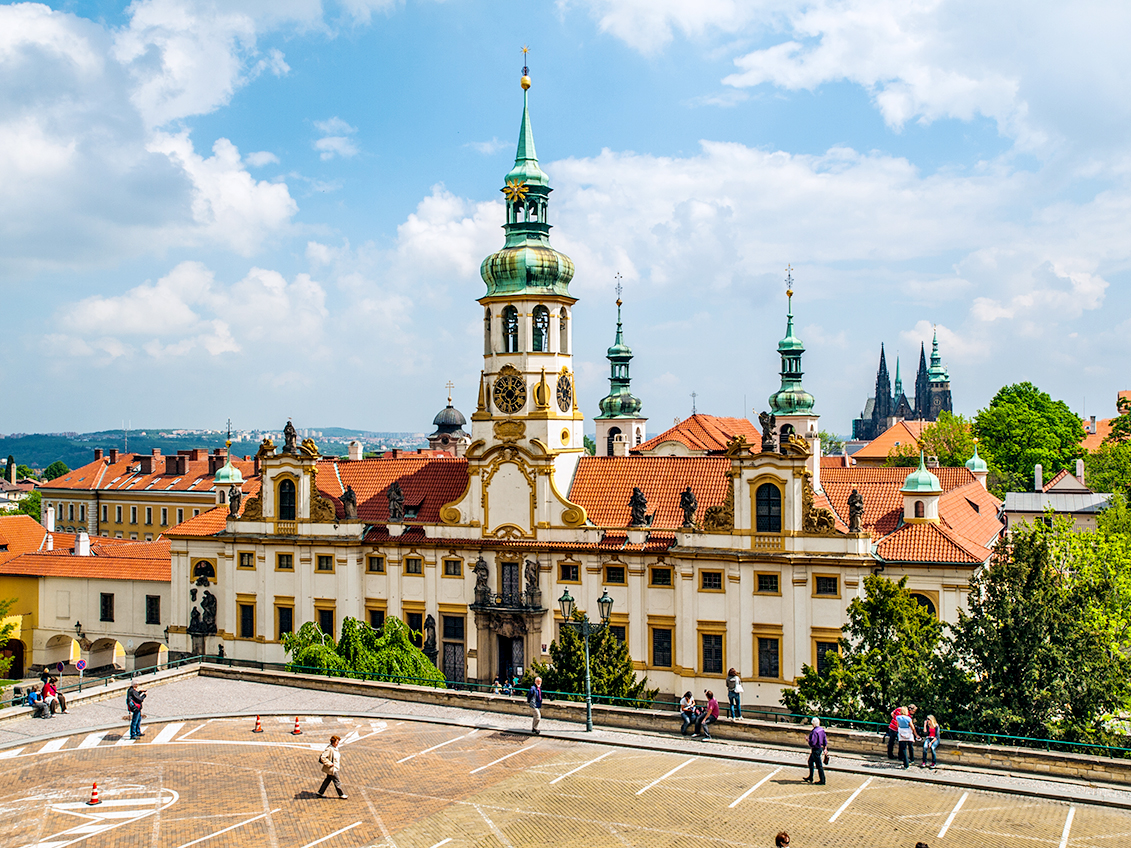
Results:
x,y
258,209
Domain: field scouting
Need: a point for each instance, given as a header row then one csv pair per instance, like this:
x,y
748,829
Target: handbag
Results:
x,y
826,757
738,688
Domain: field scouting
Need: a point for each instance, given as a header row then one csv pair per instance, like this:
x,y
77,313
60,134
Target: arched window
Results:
x,y
786,431
920,510
768,507
287,500
563,330
223,496
510,330
613,433
638,435
924,601
541,329
487,331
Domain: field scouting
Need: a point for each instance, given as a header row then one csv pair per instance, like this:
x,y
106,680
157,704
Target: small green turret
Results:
x,y
791,398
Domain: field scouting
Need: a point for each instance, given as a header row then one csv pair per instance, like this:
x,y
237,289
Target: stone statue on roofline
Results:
x,y
855,512
396,503
688,504
349,503
480,581
769,425
235,498
290,438
639,505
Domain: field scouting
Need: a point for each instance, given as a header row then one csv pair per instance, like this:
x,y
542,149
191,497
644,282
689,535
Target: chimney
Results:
x,y
197,454
145,463
157,451
50,538
82,544
620,445
113,455
355,450
1038,478
932,462
171,465
49,516
1092,426
255,466
1080,471
97,453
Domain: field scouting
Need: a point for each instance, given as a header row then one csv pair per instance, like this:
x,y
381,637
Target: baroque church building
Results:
x,y
721,544
890,405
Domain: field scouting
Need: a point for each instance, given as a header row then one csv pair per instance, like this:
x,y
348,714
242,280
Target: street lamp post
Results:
x,y
585,628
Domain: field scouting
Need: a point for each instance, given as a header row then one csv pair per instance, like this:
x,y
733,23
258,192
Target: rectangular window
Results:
x,y
377,619
661,576
662,647
105,510
614,574
415,622
454,627
195,513
413,565
286,620
712,653
711,581
826,586
70,512
106,607
133,515
570,572
149,515
284,562
82,512
768,584
453,568
326,621
164,516
324,563
247,559
133,536
152,609
247,621
117,515
376,565
769,658
180,515
824,649
619,631
149,537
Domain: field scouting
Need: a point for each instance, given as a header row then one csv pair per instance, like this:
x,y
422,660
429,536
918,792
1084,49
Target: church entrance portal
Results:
x,y
511,654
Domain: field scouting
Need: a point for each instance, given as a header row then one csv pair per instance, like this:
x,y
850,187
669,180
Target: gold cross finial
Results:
x,y
450,385
789,281
619,287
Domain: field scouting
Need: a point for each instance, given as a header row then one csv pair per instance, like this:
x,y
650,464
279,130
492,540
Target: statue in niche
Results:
x,y
235,499
480,581
192,594
290,438
205,571
208,604
639,505
203,581
769,423
688,504
531,573
396,503
349,503
430,637
194,626
855,512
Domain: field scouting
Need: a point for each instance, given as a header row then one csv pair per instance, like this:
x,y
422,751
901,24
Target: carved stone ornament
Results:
x,y
815,519
308,449
510,431
266,448
321,509
737,447
349,503
396,502
481,574
254,509
769,423
531,574
855,512
721,518
506,625
795,445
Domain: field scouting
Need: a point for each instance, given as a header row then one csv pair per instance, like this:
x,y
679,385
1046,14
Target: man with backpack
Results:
x,y
134,698
534,701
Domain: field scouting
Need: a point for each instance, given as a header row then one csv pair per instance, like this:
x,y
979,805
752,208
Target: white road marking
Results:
x,y
669,774
579,768
191,732
11,752
330,835
167,733
388,839
495,829
507,757
442,842
54,745
1067,827
953,813
225,830
750,791
352,736
122,740
851,798
434,747
100,820
92,740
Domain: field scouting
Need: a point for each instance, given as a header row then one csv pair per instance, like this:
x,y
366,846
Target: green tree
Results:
x,y
1108,467
950,438
7,631
830,443
1023,427
22,472
30,505
889,657
1116,519
1121,426
385,655
610,669
56,469
589,444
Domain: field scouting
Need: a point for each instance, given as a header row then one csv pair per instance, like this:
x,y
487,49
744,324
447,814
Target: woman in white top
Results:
x,y
687,711
331,762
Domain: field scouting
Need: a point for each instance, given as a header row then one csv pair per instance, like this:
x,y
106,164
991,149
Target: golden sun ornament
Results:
x,y
515,190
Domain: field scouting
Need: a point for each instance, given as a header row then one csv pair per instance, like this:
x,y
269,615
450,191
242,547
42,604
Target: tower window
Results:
x,y
287,500
920,510
768,508
563,330
510,330
541,329
487,331
613,433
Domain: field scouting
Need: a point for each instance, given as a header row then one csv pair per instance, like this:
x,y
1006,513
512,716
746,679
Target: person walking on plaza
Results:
x,y
734,695
818,750
534,701
907,737
892,734
930,740
686,711
331,762
134,698
707,717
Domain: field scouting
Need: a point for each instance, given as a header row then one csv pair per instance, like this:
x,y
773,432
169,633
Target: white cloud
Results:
x,y
487,147
335,139
260,158
649,25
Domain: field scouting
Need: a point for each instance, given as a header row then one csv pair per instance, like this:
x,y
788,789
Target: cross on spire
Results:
x,y
789,280
693,396
525,70
619,287
449,386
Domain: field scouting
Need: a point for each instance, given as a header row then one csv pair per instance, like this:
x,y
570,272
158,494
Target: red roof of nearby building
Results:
x,y
127,475
899,433
208,523
705,433
929,543
428,483
603,485
109,562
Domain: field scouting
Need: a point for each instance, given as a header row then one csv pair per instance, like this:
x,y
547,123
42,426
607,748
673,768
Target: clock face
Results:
x,y
510,393
565,393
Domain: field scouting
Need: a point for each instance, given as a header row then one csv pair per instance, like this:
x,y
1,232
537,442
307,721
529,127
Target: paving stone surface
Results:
x,y
474,779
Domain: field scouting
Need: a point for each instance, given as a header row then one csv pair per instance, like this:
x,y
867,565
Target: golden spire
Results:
x,y
525,81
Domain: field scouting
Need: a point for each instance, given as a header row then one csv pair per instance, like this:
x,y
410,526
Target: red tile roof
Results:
x,y
20,534
428,482
899,433
705,433
125,475
112,562
603,485
930,543
208,523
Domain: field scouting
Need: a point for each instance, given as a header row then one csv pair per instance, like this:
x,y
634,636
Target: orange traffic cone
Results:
x,y
258,726
297,731
94,799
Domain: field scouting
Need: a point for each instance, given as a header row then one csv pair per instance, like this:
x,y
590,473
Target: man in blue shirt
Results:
x,y
37,704
534,701
818,745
